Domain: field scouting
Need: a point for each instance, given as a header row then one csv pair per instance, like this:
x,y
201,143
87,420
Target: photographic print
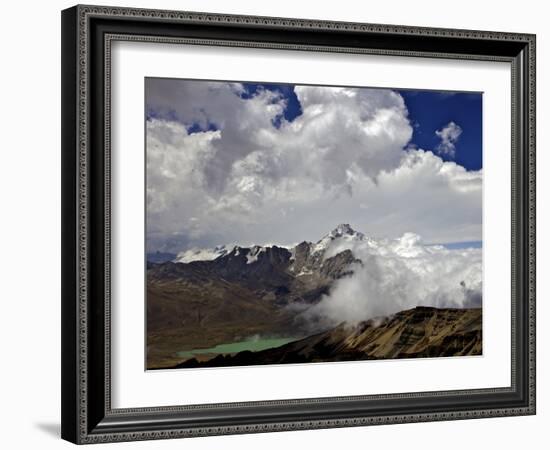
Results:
x,y
291,223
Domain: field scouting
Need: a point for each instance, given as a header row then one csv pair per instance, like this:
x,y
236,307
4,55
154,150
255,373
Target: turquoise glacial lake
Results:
x,y
254,345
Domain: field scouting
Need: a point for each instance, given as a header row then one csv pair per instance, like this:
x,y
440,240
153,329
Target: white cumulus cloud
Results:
x,y
399,274
449,136
251,182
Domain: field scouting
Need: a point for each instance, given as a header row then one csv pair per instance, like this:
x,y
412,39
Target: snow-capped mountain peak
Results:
x,y
342,232
343,229
204,254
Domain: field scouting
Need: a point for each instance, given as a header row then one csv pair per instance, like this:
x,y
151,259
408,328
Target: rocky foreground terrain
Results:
x,y
419,332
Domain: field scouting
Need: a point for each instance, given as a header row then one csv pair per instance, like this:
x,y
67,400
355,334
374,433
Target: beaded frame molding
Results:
x,y
87,35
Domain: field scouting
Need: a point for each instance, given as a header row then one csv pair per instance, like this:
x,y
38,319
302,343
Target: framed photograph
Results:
x,y
278,224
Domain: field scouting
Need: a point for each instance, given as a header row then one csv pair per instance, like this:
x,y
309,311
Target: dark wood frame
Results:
x,y
87,32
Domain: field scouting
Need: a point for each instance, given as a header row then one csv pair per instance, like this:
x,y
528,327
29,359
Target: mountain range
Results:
x,y
206,297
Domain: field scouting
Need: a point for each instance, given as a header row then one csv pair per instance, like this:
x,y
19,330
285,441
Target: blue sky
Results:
x,y
429,111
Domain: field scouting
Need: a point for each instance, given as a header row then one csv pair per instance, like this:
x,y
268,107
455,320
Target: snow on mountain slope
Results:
x,y
252,255
341,238
203,254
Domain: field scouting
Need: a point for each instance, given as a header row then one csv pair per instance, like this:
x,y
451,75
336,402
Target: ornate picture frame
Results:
x,y
88,33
